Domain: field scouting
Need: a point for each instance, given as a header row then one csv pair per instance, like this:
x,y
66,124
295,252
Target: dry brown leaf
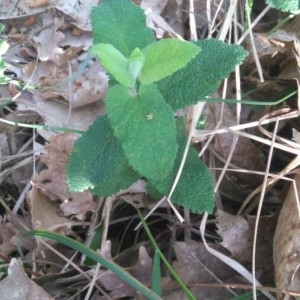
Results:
x,y
164,18
7,232
18,286
245,156
287,242
117,288
88,87
269,53
55,186
44,213
37,3
79,11
194,264
10,235
57,115
237,234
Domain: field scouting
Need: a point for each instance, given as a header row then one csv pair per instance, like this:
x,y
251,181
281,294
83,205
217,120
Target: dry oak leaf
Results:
x,y
287,242
17,285
245,155
55,186
195,265
119,289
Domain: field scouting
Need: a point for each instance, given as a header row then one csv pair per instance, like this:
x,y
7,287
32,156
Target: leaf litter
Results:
x,y
48,44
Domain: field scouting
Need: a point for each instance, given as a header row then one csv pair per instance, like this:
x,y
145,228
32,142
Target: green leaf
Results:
x,y
203,75
98,162
165,57
114,62
195,190
3,78
145,127
122,24
136,63
156,274
285,5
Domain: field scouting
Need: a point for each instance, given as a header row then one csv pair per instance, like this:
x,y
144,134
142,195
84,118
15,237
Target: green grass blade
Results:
x,y
110,265
156,274
184,288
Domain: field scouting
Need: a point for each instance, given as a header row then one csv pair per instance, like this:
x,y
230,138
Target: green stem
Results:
x,y
108,264
169,267
44,127
250,102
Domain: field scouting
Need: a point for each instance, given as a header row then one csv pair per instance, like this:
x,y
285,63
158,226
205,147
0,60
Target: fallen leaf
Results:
x,y
78,10
44,213
88,87
8,230
287,242
236,235
245,156
18,286
117,288
195,265
52,181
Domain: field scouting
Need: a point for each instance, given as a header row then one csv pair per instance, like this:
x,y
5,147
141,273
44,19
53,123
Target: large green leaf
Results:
x,y
202,76
98,162
195,190
165,57
122,24
114,62
285,5
145,127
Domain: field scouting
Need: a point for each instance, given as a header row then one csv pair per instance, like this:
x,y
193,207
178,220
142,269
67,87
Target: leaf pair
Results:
x,y
106,170
152,64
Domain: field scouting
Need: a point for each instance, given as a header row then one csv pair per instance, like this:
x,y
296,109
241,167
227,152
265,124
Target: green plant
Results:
x,y
3,48
292,6
139,136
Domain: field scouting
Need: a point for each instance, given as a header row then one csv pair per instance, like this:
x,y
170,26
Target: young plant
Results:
x,y
139,136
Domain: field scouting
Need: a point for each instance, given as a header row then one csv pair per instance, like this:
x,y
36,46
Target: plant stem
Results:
x,y
169,267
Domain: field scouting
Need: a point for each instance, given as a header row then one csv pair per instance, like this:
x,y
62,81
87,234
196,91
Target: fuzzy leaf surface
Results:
x,y
98,162
145,126
136,62
115,63
285,5
195,190
202,76
122,24
165,57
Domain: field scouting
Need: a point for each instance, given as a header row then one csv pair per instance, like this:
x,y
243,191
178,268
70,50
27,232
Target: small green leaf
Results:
x,y
195,190
165,57
136,63
285,5
98,162
203,75
122,24
115,63
145,127
156,274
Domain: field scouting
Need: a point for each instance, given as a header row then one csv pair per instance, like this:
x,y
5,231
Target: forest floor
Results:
x,y
252,152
